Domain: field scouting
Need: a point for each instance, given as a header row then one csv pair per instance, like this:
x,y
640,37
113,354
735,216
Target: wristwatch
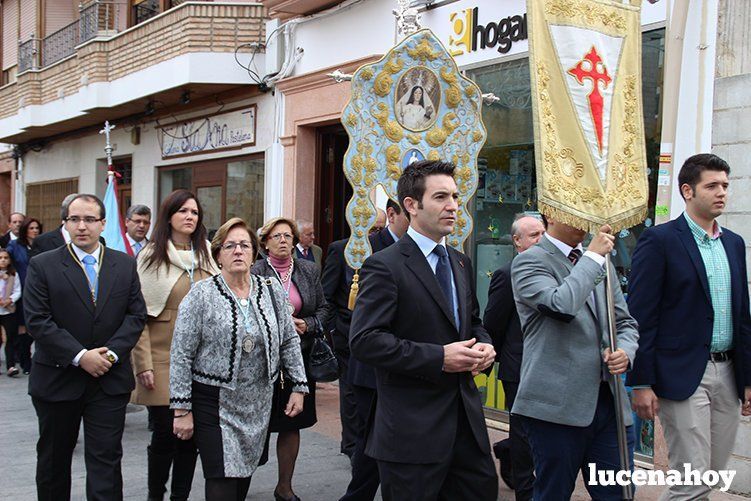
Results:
x,y
111,357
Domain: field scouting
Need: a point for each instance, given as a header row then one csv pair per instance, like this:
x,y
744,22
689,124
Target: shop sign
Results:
x,y
477,31
227,130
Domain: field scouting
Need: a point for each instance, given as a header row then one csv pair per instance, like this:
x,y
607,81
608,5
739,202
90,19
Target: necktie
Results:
x,y
443,274
305,253
137,248
574,255
88,265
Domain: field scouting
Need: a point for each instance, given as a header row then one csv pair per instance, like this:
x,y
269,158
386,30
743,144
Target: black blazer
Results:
x,y
669,296
63,320
307,278
502,323
400,324
47,241
5,240
337,282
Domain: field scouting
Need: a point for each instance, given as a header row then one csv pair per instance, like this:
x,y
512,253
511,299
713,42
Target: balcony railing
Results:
x,y
28,54
145,10
97,18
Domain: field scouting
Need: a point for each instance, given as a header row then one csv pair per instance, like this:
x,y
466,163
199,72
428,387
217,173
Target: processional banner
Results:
x,y
585,64
413,104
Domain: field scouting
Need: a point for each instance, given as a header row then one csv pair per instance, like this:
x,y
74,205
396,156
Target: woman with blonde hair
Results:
x,y
301,281
232,339
174,260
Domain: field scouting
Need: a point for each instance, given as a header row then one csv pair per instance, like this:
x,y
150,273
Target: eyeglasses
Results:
x,y
244,246
86,220
279,236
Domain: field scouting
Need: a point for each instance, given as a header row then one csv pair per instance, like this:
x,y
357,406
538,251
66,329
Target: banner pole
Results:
x,y
623,451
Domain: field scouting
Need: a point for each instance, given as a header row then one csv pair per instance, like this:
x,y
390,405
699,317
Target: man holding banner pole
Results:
x,y
585,64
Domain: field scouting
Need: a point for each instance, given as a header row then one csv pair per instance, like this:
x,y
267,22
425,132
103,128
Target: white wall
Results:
x,y
81,157
365,28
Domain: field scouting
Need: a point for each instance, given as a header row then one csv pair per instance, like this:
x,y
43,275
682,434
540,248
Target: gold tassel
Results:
x,y
623,221
353,290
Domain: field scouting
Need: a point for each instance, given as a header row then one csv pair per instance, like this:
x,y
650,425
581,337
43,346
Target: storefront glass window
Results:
x,y
508,185
245,184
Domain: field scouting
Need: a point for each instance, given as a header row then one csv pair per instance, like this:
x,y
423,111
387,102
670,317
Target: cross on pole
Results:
x,y
108,146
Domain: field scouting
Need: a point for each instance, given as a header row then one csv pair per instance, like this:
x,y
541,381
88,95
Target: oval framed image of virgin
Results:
x,y
417,99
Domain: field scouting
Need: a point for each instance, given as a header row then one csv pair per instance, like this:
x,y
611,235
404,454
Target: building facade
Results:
x,y
172,77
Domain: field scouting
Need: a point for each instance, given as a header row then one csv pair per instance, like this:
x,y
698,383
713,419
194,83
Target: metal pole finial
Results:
x,y
108,145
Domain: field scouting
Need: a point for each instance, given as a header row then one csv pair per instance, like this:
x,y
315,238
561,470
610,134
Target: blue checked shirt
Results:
x,y
718,275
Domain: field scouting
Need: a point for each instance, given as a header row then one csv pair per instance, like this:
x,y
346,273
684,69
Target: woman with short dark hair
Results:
x,y
233,339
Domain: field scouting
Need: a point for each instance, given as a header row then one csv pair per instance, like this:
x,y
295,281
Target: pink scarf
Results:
x,y
282,267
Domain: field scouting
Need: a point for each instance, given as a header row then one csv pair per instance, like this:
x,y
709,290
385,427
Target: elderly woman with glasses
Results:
x,y
301,281
233,338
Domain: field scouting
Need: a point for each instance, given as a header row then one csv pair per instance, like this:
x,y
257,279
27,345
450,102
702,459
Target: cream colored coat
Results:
x,y
152,352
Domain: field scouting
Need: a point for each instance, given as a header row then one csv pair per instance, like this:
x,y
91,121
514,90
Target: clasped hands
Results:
x,y
468,356
95,361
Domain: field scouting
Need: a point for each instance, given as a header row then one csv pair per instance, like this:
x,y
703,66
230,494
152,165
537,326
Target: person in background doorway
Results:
x,y
501,320
137,224
20,251
169,266
306,248
15,220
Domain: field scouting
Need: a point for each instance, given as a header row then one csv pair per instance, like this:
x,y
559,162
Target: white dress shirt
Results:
x,y
66,235
80,254
426,245
132,241
566,249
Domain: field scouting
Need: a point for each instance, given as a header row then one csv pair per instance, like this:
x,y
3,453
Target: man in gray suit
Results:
x,y
565,392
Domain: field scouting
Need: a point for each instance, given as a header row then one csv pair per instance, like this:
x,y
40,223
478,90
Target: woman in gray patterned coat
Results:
x,y
233,338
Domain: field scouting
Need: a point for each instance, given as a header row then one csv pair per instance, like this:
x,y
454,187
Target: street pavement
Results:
x,y
322,472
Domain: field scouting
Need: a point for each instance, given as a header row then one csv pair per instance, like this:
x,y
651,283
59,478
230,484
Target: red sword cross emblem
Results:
x,y
592,68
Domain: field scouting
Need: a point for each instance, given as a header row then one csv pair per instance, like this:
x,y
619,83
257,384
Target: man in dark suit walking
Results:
x,y
85,311
689,292
357,380
306,248
416,322
502,323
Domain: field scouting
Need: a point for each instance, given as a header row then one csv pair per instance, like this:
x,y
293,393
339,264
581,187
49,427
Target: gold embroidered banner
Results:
x,y
585,64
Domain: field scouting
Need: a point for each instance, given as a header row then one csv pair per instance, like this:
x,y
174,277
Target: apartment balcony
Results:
x,y
95,69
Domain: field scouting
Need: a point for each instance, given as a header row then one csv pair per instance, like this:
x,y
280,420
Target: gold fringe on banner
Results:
x,y
353,290
587,225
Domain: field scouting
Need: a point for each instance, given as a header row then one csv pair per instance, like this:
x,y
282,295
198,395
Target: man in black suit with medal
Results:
x,y
416,322
85,311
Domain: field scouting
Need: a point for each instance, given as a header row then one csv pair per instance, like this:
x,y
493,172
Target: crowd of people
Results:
x,y
214,336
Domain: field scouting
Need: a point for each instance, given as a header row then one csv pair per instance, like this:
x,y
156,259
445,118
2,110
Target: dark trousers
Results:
x,y
347,408
165,451
226,489
522,465
467,473
103,422
561,451
10,324
365,478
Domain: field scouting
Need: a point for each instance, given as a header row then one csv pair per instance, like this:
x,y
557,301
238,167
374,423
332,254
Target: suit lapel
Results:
x,y
107,279
75,275
688,241
417,262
